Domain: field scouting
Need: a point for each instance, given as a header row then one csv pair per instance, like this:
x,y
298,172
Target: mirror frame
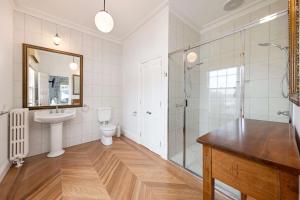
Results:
x,y
294,51
25,77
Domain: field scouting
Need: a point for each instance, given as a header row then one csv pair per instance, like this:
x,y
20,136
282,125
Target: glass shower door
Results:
x,y
213,92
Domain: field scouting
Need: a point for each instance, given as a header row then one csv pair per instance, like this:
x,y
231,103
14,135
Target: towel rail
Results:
x,y
3,113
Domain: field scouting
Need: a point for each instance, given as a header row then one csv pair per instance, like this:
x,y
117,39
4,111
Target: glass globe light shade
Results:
x,y
192,57
56,39
73,66
104,21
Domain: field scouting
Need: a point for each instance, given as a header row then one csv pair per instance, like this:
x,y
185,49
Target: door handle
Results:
x,y
148,112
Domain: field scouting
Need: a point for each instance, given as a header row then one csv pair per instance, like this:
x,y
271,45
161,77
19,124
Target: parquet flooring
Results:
x,y
123,171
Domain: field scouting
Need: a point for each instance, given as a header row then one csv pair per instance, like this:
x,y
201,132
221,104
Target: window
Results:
x,y
31,87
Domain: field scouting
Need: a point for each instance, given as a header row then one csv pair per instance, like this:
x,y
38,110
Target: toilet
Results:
x,y
107,129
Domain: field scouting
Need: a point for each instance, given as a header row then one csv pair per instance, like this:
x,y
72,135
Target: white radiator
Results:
x,y
18,137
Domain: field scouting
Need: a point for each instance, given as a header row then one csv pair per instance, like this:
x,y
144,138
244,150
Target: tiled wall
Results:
x,y
180,36
102,78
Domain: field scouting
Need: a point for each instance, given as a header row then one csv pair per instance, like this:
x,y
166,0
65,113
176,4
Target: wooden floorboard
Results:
x,y
123,171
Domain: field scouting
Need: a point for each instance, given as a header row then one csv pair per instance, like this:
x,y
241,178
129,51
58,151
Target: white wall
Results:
x,y
149,41
102,75
6,78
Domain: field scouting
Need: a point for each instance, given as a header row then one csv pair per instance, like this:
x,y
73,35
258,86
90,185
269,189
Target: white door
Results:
x,y
151,112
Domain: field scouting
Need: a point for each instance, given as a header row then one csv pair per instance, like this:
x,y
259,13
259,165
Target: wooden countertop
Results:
x,y
271,143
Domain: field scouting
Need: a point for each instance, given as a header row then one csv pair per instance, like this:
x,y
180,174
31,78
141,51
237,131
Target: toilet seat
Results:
x,y
108,127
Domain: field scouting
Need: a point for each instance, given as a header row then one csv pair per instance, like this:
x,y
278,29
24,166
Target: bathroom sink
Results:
x,y
54,118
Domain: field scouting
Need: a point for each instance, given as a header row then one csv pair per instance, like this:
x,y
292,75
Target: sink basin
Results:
x,y
54,118
56,121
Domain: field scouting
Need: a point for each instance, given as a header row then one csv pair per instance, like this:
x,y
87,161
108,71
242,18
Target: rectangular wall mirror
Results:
x,y
51,78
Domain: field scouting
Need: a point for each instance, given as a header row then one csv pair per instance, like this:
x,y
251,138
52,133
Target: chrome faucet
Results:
x,y
285,113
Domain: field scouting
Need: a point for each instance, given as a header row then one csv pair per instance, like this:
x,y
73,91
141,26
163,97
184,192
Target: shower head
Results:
x,y
232,4
272,45
269,45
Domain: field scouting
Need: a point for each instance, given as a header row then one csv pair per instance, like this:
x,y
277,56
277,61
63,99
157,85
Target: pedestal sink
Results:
x,y
56,120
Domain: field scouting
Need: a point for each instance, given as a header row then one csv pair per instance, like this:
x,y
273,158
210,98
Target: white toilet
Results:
x,y
107,129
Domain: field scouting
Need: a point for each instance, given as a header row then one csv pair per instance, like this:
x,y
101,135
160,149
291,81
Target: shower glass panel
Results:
x,y
176,108
266,71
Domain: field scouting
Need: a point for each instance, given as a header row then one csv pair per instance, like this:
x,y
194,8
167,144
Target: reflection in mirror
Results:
x,y
59,92
53,78
294,66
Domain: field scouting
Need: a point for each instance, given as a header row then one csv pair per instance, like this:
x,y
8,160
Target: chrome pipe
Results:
x,y
242,28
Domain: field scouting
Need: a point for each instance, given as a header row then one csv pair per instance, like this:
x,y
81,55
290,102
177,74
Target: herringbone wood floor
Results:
x,y
123,171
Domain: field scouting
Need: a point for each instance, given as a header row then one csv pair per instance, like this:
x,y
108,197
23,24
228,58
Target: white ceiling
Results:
x,y
128,14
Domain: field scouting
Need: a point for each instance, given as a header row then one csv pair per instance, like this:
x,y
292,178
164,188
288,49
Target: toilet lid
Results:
x,y
108,127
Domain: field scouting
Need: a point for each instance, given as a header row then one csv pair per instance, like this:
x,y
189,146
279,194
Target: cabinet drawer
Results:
x,y
254,179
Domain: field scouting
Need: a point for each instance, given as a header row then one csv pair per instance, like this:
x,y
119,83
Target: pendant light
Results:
x,y
56,38
104,21
73,65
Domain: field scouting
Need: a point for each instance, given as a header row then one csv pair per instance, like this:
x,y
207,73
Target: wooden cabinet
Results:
x,y
243,155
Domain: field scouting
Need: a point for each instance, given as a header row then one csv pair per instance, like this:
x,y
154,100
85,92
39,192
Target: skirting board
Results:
x,y
131,136
4,169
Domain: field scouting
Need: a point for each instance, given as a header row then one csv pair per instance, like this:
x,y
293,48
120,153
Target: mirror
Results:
x,y
294,51
51,78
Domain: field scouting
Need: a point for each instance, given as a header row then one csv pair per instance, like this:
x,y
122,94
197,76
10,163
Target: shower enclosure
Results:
x,y
239,74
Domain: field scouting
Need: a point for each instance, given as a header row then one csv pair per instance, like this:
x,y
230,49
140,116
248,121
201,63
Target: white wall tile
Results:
x,y
259,108
259,70
33,24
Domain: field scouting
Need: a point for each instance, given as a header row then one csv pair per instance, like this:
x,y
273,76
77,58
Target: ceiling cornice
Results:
x,y
185,20
12,2
255,5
